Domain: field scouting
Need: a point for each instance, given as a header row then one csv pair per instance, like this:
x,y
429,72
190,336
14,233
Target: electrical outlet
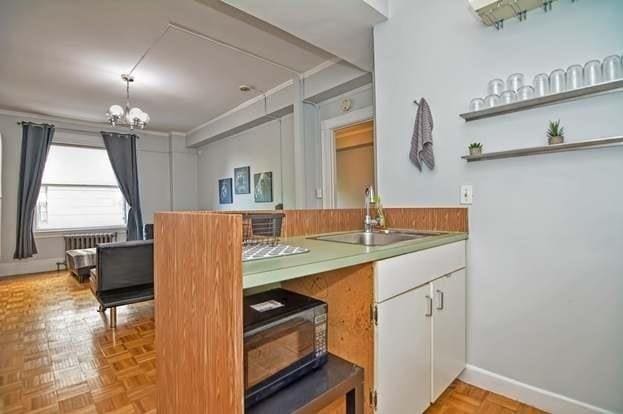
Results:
x,y
466,194
318,192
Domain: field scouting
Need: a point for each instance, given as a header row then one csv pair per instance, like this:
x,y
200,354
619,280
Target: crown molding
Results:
x,y
244,105
89,124
319,68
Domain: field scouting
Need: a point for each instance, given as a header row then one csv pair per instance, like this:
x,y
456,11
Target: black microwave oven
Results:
x,y
285,337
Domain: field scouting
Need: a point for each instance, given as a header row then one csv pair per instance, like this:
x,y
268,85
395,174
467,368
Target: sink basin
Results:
x,y
376,238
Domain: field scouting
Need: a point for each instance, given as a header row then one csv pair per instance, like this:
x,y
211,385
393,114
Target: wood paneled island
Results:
x,y
199,286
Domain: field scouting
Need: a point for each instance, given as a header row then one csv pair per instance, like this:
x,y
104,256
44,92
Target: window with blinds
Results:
x,y
79,191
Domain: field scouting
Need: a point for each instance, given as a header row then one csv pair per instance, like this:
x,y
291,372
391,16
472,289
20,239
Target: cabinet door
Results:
x,y
402,359
448,331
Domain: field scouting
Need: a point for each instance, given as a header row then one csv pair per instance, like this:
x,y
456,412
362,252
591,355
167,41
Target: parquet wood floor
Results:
x,y
57,355
462,398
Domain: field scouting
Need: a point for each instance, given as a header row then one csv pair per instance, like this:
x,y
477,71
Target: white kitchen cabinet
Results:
x,y
402,354
420,327
402,273
448,331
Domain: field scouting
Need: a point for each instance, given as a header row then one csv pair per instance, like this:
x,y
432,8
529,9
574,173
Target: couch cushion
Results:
x,y
81,258
126,296
125,265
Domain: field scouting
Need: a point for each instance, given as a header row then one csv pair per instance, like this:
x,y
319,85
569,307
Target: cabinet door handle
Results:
x,y
439,299
429,306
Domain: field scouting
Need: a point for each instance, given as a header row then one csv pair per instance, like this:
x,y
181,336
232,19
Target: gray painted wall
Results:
x,y
263,148
258,147
314,116
154,174
545,285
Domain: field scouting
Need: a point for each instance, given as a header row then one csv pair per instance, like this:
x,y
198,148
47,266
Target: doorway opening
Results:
x,y
354,163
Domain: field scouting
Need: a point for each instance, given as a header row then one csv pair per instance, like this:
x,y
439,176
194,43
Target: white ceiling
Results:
x,y
342,27
65,57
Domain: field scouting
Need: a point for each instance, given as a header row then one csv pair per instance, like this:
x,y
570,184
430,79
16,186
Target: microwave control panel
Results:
x,y
320,322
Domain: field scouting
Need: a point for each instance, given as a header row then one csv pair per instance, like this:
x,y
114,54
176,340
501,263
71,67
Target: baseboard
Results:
x,y
527,394
21,267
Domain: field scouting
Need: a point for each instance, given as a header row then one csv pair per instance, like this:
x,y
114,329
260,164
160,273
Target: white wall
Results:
x,y
154,176
268,147
545,285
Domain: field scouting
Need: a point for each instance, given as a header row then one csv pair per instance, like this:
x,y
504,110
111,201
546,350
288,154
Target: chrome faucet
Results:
x,y
369,222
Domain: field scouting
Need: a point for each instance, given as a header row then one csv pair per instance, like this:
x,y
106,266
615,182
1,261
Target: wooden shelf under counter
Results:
x,y
338,385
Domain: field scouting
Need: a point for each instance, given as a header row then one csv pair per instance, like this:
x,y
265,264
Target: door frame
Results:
x,y
328,128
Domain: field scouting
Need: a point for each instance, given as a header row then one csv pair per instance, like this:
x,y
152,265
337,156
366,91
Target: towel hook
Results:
x,y
417,102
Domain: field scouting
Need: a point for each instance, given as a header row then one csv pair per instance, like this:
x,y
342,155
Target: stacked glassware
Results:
x,y
558,81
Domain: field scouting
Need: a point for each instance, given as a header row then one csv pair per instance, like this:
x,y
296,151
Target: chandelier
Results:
x,y
128,117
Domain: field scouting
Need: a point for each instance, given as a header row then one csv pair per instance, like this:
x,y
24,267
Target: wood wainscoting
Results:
x,y
198,289
429,219
308,222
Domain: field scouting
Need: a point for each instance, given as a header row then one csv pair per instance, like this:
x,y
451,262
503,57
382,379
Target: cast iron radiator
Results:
x,y
86,241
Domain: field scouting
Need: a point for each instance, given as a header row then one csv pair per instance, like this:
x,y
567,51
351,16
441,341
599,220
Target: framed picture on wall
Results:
x,y
263,189
242,180
225,195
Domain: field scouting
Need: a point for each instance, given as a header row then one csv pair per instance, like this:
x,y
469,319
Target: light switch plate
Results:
x,y
466,194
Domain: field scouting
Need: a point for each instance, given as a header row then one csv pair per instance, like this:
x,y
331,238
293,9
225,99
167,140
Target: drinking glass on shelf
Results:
x,y
525,92
515,81
541,84
476,104
612,68
495,87
592,73
492,100
508,97
557,81
575,77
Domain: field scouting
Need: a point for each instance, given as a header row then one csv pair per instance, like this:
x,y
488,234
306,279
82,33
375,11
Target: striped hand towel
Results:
x,y
422,139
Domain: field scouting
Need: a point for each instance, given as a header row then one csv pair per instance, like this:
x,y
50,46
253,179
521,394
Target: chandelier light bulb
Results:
x,y
135,113
116,110
130,118
143,117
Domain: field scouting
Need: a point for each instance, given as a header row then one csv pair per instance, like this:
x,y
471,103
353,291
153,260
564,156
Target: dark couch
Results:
x,y
124,274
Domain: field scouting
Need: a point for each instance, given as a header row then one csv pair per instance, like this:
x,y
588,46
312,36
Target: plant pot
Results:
x,y
556,140
475,151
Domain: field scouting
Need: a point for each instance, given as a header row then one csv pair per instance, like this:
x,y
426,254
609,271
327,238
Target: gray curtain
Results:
x,y
36,141
121,150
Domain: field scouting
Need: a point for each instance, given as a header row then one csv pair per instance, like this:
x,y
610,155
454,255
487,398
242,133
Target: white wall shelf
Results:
x,y
547,149
544,100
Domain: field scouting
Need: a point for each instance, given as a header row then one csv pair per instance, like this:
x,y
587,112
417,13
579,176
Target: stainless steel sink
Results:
x,y
376,238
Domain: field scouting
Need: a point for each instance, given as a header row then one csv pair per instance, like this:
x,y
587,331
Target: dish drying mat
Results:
x,y
267,251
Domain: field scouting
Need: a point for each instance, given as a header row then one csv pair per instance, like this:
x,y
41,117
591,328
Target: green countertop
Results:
x,y
325,256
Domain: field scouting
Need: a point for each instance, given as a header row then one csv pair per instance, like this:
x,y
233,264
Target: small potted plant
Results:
x,y
475,148
555,133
